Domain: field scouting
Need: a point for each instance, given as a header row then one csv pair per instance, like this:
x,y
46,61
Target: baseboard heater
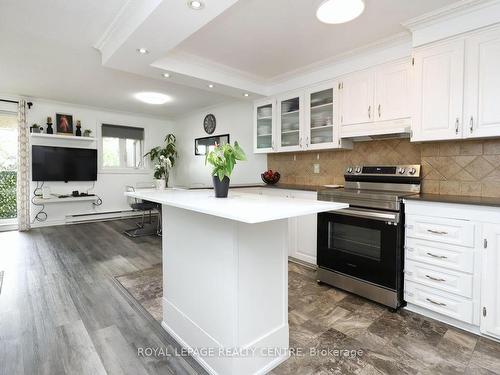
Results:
x,y
104,216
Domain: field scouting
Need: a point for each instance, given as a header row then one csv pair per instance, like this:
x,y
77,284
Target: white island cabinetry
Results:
x,y
225,275
302,233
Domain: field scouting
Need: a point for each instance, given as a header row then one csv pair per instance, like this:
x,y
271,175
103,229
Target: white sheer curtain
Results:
x,y
23,169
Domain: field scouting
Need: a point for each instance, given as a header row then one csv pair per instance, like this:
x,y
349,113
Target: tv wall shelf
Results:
x,y
40,200
58,136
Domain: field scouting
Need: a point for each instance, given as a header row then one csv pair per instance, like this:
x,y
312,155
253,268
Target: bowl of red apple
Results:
x,y
270,177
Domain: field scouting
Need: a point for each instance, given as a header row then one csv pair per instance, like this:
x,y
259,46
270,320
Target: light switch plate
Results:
x,y
316,168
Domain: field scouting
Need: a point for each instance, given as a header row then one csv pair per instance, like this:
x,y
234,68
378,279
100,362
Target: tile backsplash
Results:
x,y
455,167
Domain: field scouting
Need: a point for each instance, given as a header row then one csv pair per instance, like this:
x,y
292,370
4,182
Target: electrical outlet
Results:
x,y
316,168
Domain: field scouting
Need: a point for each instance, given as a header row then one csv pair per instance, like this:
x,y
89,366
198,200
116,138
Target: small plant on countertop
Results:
x,y
87,133
223,159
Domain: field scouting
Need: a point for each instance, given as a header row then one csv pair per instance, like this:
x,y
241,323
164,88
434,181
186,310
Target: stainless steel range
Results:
x,y
360,248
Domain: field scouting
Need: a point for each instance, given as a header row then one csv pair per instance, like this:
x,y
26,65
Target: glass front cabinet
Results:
x,y
291,122
299,121
321,117
264,126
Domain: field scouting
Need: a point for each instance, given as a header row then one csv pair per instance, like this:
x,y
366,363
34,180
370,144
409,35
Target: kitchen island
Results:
x,y
225,275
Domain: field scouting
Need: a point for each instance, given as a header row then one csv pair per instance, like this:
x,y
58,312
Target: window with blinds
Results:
x,y
122,146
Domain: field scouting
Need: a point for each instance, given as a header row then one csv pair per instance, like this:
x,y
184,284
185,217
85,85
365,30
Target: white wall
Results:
x,y
234,118
109,186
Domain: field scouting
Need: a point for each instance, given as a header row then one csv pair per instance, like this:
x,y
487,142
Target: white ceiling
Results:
x,y
268,38
47,47
47,52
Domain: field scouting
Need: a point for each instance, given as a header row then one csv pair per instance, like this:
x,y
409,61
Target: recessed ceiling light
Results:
x,y
339,11
246,94
152,97
166,75
196,4
142,51
211,86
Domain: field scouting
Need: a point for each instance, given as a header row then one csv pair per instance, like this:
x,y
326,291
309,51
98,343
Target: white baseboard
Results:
x,y
89,218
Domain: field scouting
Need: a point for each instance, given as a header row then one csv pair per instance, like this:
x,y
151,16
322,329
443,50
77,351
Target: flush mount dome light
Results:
x,y
152,97
339,11
195,4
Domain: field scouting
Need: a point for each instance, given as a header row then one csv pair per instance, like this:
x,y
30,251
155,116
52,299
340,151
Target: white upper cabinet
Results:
x,y
321,117
482,85
376,101
290,126
438,91
392,91
264,132
357,98
456,88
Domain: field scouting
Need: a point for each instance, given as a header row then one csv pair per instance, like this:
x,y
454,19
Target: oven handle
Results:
x,y
381,216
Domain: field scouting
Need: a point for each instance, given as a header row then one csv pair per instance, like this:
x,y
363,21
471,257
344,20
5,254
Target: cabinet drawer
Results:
x,y
452,231
440,254
456,307
440,278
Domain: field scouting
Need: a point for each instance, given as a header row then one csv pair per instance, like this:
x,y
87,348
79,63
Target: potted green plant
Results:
x,y
87,132
163,158
223,159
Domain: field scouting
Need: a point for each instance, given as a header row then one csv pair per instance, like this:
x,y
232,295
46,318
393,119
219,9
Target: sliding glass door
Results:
x,y
8,167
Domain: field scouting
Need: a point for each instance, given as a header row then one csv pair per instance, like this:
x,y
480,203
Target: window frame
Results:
x,y
122,169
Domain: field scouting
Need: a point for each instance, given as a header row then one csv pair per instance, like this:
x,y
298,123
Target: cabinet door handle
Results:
x,y
456,125
471,123
437,256
369,111
434,278
300,142
436,231
307,141
436,303
379,111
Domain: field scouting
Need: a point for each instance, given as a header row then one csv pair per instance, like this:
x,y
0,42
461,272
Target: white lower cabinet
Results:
x,y
452,264
490,290
302,230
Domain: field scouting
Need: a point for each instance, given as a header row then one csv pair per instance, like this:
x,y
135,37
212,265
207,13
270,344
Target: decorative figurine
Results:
x,y
49,129
78,131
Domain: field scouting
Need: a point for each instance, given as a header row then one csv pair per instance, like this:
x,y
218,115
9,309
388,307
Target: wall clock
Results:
x,y
209,123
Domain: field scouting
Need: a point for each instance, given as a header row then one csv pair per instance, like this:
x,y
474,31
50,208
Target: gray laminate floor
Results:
x,y
323,319
61,312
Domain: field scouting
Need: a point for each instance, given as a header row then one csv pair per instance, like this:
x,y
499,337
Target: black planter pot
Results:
x,y
221,187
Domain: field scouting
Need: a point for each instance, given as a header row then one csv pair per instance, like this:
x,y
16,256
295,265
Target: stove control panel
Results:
x,y
410,171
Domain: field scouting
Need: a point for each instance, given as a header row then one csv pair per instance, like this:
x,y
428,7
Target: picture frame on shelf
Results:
x,y
64,124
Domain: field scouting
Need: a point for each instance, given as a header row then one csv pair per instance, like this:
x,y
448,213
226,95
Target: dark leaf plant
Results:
x,y
223,159
163,156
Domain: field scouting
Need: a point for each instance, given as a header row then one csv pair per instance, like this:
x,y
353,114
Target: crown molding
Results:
x,y
459,8
455,19
394,40
131,15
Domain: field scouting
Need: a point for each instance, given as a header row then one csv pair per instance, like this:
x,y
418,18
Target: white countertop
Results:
x,y
239,206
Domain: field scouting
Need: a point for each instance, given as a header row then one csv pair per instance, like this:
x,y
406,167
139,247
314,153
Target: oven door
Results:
x,y
361,243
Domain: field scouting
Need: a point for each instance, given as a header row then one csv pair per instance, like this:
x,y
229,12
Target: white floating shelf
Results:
x,y
39,200
59,136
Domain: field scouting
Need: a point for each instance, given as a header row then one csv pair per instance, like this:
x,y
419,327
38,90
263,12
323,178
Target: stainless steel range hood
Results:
x,y
393,133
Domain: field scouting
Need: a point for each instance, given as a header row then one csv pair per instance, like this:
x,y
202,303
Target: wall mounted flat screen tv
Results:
x,y
63,164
